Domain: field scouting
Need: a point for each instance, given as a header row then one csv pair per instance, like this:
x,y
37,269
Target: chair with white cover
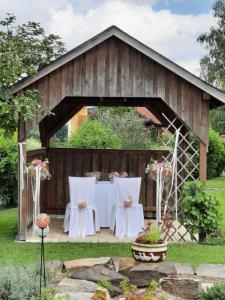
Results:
x,y
80,221
127,220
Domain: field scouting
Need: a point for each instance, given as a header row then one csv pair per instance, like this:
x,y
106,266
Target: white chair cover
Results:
x,y
128,221
80,222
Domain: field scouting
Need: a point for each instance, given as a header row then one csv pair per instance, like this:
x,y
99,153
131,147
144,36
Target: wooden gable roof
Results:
x,y
121,70
116,32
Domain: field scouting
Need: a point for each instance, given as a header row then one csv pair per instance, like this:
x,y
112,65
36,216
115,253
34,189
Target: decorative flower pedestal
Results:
x,y
150,253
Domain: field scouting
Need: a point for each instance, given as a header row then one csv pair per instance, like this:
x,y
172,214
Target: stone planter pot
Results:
x,y
149,253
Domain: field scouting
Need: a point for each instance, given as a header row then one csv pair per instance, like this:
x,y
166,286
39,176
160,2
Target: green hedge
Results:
x,y
215,156
8,171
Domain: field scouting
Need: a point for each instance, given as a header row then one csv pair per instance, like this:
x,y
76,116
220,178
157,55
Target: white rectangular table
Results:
x,y
104,200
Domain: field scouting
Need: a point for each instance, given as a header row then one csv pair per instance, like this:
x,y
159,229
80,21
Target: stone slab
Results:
x,y
85,262
186,287
76,285
142,273
212,271
98,273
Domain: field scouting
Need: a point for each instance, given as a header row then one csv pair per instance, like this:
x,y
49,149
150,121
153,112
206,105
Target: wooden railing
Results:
x,y
75,162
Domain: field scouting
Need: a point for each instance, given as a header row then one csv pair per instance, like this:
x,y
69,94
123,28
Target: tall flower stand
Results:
x,y
42,229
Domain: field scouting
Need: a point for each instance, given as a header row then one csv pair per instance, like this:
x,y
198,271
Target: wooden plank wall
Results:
x,y
114,69
73,162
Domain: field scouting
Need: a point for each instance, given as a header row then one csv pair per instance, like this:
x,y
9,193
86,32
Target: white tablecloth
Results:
x,y
104,200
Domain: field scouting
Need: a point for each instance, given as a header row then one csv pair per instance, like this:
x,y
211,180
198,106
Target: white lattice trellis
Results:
x,y
187,167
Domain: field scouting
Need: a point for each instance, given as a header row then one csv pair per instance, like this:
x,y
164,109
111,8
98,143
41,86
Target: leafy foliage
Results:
x,y
60,138
216,292
213,63
13,288
8,170
126,124
23,50
215,155
153,236
217,119
94,135
199,211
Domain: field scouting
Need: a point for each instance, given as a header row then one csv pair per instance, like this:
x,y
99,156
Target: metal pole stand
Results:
x,y
42,265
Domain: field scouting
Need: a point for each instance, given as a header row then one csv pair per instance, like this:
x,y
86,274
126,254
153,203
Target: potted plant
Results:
x,y
150,246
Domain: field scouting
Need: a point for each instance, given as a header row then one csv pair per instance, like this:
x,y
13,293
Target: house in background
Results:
x,y
78,119
151,122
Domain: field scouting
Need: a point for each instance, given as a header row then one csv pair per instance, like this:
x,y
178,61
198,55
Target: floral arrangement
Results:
x,y
166,169
128,202
44,168
96,174
113,174
82,205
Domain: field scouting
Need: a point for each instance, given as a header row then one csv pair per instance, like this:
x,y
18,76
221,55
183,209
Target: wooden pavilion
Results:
x,y
110,69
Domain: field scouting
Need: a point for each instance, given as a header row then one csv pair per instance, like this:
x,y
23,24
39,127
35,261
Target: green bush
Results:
x,y
20,283
94,135
199,211
8,170
216,155
217,292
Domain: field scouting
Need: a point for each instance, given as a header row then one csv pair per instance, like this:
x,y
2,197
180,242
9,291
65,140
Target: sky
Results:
x,y
170,27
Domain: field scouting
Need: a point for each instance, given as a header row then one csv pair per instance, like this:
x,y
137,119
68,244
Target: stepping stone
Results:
x,y
97,274
212,271
186,286
143,273
74,296
76,285
85,262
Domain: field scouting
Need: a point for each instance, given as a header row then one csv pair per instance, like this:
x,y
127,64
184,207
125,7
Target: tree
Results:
x,y
94,135
213,63
24,49
127,124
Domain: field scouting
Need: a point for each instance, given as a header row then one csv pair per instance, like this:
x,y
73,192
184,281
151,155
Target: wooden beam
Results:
x,y
202,161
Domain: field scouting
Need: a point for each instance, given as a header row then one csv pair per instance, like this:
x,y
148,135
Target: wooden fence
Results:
x,y
75,162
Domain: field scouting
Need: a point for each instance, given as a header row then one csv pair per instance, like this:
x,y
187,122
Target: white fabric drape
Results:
x,y
80,222
22,165
104,200
127,221
36,187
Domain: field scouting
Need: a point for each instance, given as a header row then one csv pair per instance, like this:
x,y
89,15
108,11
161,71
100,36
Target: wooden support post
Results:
x,y
22,187
202,162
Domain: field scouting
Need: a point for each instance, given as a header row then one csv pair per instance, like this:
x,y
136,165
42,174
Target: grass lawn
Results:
x,y
22,253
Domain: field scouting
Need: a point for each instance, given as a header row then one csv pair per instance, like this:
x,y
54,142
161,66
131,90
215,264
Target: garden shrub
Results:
x,y
20,283
216,155
94,135
217,292
8,170
199,211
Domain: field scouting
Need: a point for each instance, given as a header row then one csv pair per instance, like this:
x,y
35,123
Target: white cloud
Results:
x,y
172,35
